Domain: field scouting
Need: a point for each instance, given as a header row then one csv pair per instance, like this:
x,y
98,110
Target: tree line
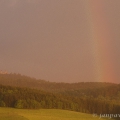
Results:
x,y
26,98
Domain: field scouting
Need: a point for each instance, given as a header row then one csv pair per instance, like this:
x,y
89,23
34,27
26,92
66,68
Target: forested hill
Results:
x,y
25,81
90,97
95,89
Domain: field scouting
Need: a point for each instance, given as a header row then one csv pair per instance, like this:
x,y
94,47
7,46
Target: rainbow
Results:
x,y
100,36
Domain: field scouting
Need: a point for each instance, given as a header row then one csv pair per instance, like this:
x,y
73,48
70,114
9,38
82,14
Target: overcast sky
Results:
x,y
52,39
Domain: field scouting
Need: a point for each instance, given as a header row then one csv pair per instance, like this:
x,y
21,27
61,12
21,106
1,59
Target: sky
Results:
x,y
61,40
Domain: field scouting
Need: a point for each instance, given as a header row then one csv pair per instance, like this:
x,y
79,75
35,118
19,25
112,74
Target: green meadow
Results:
x,y
43,114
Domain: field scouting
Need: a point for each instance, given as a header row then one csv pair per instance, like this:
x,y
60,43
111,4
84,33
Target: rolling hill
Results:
x,y
19,91
44,114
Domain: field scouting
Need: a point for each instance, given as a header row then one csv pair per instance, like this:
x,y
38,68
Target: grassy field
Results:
x,y
43,114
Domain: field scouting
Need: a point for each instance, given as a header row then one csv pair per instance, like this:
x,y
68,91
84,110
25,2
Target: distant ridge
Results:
x,y
19,80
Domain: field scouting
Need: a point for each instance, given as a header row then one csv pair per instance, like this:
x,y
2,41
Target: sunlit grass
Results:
x,y
43,114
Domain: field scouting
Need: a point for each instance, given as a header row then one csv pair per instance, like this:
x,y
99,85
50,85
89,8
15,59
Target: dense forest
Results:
x,y
91,97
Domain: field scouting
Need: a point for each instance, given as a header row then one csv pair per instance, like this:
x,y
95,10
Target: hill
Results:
x,y
95,89
25,81
91,97
44,114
